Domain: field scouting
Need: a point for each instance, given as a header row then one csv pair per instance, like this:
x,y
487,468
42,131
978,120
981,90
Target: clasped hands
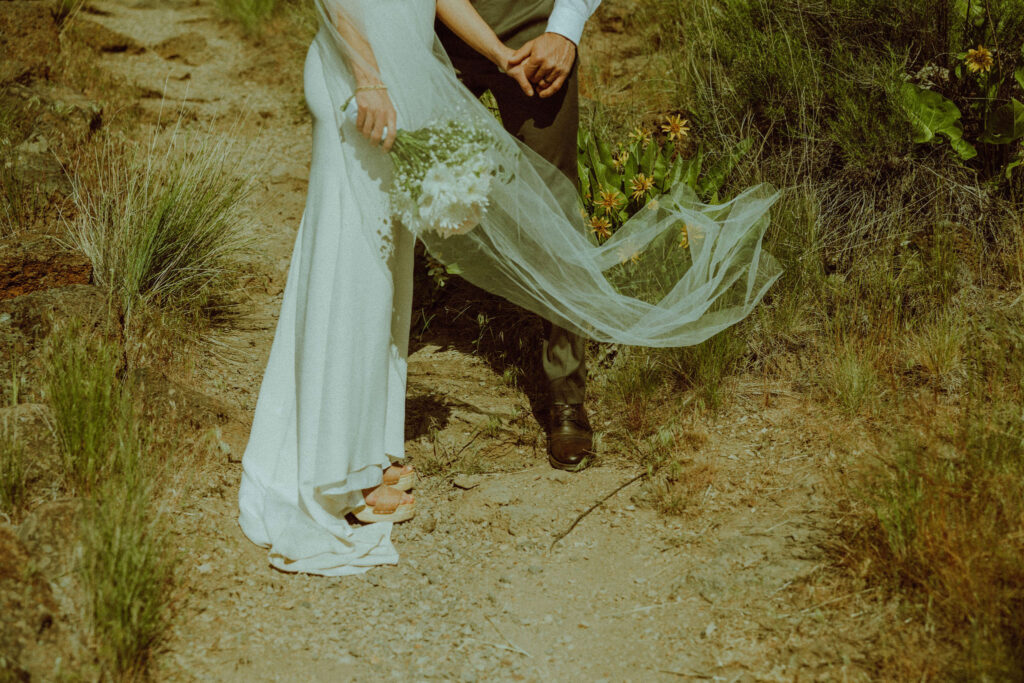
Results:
x,y
542,65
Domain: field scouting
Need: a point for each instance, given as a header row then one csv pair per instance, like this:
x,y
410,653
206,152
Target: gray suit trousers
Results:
x,y
549,127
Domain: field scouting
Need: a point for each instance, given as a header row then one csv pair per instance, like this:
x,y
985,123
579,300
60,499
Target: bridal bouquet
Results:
x,y
443,176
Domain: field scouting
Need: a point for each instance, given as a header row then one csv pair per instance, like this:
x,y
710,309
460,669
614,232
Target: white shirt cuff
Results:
x,y
567,22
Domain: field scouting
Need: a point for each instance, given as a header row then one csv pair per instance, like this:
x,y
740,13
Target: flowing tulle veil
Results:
x,y
646,285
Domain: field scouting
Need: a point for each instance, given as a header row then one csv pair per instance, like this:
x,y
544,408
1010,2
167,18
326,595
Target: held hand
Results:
x,y
547,61
514,70
375,113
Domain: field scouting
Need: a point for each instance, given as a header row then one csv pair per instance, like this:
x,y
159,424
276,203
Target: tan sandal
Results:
x,y
382,512
405,481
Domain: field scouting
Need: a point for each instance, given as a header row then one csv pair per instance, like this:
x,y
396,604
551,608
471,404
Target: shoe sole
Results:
x,y
559,465
401,514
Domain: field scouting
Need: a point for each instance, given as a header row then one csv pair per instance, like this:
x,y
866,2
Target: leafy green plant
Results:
x,y
614,185
931,114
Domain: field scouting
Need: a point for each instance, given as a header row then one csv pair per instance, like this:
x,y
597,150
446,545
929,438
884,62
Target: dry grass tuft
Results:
x,y
163,228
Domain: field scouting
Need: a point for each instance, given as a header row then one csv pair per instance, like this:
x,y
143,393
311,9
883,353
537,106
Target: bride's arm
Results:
x,y
465,22
375,108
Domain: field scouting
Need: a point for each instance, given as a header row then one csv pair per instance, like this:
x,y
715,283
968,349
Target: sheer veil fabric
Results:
x,y
644,286
330,412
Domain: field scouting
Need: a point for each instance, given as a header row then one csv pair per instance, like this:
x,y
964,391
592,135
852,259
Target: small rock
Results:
x,y
535,569
205,568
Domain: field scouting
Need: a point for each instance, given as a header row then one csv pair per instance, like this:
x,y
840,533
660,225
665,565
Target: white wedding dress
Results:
x,y
330,412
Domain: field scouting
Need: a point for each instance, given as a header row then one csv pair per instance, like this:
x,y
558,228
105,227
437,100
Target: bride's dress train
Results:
x,y
330,412
331,408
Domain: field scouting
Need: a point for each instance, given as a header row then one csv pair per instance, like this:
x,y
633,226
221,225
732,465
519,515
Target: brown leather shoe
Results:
x,y
570,438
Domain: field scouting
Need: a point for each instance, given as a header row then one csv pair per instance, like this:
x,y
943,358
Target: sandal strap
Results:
x,y
402,472
383,508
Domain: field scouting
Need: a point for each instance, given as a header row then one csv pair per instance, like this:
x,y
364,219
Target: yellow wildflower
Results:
x,y
610,200
684,237
641,185
600,226
676,127
979,60
619,161
641,135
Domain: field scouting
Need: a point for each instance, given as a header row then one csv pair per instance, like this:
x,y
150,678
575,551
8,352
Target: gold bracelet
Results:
x,y
361,88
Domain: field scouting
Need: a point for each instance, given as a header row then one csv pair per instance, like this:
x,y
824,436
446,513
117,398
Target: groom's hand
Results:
x,y
547,61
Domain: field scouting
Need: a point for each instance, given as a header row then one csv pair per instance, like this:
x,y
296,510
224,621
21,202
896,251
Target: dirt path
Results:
x,y
730,592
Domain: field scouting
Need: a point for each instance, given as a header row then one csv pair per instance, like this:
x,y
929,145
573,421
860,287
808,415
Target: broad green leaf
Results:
x,y
600,169
632,166
660,168
931,114
964,149
1005,125
1012,165
584,175
674,175
694,168
647,160
1019,76
605,152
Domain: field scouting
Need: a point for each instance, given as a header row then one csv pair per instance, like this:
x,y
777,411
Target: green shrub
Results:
x,y
162,228
126,566
92,408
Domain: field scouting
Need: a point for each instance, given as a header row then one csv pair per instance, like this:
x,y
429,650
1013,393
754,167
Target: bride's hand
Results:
x,y
375,113
514,68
